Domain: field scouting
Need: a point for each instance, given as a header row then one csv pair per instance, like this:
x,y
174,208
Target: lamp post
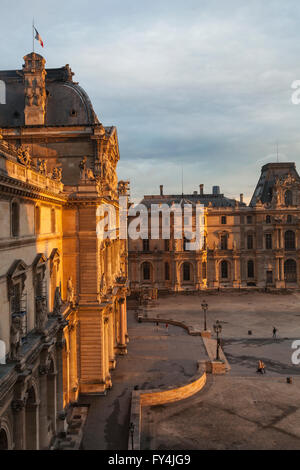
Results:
x,y
218,330
204,306
131,430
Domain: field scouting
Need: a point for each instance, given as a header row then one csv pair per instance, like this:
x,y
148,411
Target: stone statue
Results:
x,y
23,156
103,288
85,172
15,337
70,291
57,302
57,173
41,314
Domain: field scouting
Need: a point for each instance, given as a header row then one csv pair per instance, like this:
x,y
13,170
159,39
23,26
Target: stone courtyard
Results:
x,y
240,410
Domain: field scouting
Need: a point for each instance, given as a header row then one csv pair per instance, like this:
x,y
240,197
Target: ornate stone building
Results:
x,y
245,246
63,288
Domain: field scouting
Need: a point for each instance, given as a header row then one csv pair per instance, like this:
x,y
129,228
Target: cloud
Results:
x,y
204,85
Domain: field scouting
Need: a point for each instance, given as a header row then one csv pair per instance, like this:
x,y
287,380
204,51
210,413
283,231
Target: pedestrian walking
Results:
x,y
157,326
274,332
167,328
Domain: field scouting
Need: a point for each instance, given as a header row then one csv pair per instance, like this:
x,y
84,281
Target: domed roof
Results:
x,y
67,104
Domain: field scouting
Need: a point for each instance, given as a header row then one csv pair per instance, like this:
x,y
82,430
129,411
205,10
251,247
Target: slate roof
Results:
x,y
67,103
217,200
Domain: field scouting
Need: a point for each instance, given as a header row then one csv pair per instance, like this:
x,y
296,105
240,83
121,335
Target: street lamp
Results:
x,y
217,330
204,306
131,430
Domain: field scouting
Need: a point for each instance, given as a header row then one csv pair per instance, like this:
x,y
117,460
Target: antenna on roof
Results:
x,y
277,152
182,179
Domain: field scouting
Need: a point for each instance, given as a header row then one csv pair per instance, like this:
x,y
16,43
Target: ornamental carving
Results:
x,y
15,337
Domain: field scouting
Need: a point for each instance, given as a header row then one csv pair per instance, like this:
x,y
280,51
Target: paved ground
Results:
x,y
242,410
155,359
231,413
238,312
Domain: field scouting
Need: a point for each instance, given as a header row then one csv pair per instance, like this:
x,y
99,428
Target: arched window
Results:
x,y
224,269
250,268
15,219
37,220
288,197
289,240
290,270
146,271
53,221
167,271
186,272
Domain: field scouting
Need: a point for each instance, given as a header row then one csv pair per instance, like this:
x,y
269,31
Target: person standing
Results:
x,y
274,332
167,328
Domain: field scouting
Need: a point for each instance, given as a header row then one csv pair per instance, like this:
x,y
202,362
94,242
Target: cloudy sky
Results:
x,y
200,84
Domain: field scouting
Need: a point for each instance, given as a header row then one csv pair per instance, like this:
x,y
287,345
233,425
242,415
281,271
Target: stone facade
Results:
x,y
63,288
246,246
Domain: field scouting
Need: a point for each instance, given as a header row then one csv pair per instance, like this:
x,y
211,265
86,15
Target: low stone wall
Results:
x,y
140,398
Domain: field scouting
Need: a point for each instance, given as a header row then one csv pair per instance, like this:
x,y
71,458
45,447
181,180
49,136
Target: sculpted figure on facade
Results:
x,y
23,156
15,337
123,188
70,291
57,302
85,172
57,173
41,314
103,287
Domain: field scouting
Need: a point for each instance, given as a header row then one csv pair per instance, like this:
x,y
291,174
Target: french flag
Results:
x,y
38,37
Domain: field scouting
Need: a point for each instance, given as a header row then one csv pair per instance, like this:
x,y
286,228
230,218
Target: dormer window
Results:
x,y
73,113
288,198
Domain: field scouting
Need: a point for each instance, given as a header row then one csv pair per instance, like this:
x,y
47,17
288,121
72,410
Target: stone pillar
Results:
x,y
18,407
73,363
111,338
108,266
60,419
216,274
122,345
43,408
108,383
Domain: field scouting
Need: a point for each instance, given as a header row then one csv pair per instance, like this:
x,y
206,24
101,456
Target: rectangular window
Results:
x,y
224,242
250,242
167,245
268,241
146,246
249,219
223,220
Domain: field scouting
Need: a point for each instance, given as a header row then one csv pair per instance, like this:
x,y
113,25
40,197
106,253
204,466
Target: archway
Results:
x,y
3,440
31,420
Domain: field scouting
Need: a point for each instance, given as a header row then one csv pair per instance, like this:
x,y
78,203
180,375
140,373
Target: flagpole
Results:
x,y
33,34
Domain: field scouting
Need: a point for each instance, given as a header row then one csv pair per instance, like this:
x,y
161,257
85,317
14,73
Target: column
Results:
x,y
43,408
18,407
112,362
60,419
122,345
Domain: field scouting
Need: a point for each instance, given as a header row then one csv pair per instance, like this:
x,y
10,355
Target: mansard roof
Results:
x,y
269,174
67,103
216,200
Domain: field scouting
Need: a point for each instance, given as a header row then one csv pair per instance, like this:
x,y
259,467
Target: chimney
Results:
x,y
35,89
201,189
241,197
195,193
161,190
